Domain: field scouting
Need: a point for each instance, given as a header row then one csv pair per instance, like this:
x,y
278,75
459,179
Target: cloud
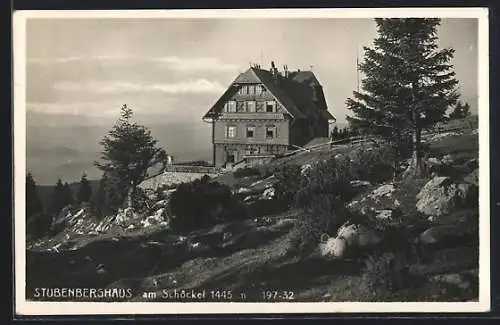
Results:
x,y
199,86
176,63
168,62
97,109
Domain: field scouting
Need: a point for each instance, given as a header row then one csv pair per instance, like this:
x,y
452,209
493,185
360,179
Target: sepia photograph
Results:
x,y
282,161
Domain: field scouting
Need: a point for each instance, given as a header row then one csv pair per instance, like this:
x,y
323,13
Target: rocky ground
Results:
x,y
438,214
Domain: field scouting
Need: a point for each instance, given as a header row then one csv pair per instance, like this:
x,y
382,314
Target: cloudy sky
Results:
x,y
179,67
170,71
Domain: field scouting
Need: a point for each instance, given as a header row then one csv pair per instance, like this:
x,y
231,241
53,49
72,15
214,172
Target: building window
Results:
x,y
243,90
231,131
258,89
270,106
251,107
240,107
270,132
251,89
250,131
230,107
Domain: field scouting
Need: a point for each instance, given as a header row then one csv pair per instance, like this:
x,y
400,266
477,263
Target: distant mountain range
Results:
x,y
67,151
65,146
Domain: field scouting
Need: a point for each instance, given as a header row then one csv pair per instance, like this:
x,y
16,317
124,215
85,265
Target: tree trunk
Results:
x,y
130,195
417,165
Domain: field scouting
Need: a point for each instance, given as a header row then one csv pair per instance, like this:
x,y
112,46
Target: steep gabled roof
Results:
x,y
295,93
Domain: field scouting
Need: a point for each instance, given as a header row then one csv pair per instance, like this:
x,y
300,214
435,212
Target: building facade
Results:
x,y
264,113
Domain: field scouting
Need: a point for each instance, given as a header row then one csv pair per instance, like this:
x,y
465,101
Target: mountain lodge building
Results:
x,y
264,113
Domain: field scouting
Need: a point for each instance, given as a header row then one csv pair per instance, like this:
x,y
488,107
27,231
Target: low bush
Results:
x,y
247,171
289,180
38,225
202,203
322,195
375,165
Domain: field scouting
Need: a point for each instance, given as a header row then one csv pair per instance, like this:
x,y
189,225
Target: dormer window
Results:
x,y
251,89
271,106
243,90
251,107
258,89
230,107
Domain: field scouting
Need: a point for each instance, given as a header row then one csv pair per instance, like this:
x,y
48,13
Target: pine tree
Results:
x,y
84,191
129,150
335,133
33,202
98,200
343,133
460,111
57,201
67,195
408,85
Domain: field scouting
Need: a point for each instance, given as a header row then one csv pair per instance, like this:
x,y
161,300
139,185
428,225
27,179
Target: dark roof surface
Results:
x,y
298,93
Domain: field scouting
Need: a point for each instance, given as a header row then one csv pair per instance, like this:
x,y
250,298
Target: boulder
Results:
x,y
160,204
447,160
197,247
242,190
471,164
446,234
468,193
384,215
432,161
358,235
333,248
438,196
358,184
385,190
126,217
305,168
472,178
453,278
269,193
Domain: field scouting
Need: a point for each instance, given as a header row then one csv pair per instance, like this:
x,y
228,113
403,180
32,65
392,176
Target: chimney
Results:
x,y
285,70
274,72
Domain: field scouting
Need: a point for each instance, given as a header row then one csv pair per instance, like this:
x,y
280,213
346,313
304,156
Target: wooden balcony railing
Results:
x,y
252,116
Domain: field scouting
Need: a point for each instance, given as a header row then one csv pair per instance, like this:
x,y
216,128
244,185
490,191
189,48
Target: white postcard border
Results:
x,y
23,307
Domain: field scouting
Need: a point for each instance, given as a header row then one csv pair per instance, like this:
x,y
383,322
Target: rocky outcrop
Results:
x,y
350,237
447,234
441,196
472,178
378,204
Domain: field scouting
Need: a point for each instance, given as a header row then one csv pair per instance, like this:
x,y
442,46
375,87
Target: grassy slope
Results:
x,y
255,257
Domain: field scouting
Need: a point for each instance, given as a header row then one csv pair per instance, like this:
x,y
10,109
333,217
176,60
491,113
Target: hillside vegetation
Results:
x,y
326,225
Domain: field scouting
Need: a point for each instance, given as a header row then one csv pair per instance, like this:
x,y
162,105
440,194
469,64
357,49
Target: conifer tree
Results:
x,y
129,150
84,191
460,111
33,203
67,198
335,133
98,200
408,84
57,200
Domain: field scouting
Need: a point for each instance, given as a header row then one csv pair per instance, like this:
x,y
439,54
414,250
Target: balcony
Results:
x,y
252,116
248,141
